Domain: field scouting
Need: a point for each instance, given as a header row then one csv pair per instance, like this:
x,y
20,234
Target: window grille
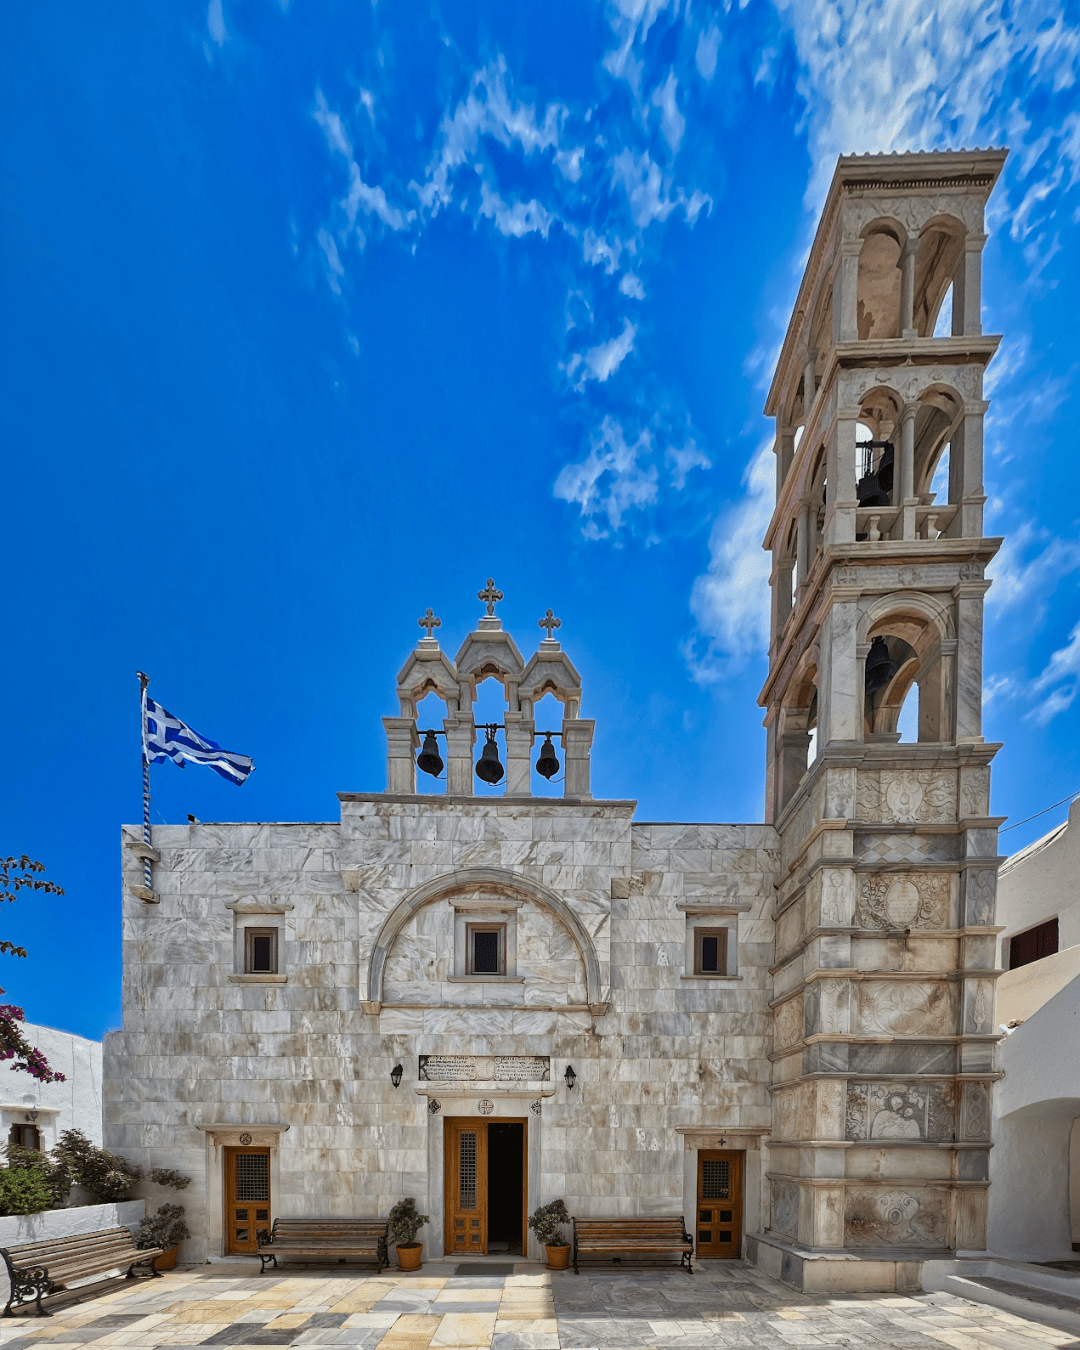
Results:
x,y
468,1169
252,1176
715,1179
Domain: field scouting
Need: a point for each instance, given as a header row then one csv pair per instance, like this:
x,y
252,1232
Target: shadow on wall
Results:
x,y
1035,1161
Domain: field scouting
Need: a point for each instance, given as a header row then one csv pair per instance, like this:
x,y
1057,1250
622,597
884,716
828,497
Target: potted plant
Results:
x,y
546,1222
165,1229
405,1223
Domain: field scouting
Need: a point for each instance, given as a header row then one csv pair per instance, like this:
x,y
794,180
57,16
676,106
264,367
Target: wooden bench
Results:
x,y
40,1268
624,1237
324,1240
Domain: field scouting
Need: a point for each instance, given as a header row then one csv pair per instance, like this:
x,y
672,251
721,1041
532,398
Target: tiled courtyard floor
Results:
x,y
722,1304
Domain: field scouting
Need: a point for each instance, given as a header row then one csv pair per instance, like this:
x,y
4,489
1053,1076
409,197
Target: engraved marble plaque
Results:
x,y
439,1068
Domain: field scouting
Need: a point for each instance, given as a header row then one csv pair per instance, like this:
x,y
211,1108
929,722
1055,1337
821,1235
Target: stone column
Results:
x,y
402,743
904,480
577,747
460,740
846,301
838,683
966,472
969,642
809,384
967,288
802,544
840,462
785,453
520,734
908,255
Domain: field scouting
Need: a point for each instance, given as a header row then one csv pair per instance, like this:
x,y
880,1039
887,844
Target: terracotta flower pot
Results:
x,y
558,1256
167,1261
408,1255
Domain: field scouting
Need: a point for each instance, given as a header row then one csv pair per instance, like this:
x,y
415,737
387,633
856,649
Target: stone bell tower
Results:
x,y
883,988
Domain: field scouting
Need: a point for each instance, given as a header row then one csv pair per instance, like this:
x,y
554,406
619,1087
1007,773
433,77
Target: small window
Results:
x,y
260,951
487,949
710,951
25,1136
1034,944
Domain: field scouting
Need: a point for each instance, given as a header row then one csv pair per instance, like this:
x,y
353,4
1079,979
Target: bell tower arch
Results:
x,y
884,975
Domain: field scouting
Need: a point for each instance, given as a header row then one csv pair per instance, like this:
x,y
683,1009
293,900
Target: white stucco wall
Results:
x,y
1041,881
1033,1189
72,1104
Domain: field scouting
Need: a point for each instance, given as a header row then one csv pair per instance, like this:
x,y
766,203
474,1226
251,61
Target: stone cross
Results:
x,y
490,595
429,621
549,621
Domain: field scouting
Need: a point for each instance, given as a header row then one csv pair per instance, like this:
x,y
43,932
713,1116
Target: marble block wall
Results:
x,y
600,910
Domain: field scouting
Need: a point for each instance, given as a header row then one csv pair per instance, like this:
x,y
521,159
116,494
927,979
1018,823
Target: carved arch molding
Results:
x,y
493,881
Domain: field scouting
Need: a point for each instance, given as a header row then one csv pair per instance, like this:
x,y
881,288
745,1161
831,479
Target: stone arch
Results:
x,y
492,881
921,635
940,409
878,286
941,246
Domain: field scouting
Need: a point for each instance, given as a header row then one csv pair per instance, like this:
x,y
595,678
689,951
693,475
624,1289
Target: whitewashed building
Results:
x,y
34,1114
783,1030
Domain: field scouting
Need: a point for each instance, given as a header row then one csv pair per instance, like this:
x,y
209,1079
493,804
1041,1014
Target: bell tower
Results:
x,y
878,775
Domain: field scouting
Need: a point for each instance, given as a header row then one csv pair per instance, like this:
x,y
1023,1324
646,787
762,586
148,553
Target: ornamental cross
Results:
x,y
429,621
490,595
549,621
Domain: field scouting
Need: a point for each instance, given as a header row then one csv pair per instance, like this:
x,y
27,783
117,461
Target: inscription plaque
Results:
x,y
504,1068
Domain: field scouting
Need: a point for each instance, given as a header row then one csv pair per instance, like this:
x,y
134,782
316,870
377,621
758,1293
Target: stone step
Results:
x,y
1024,1300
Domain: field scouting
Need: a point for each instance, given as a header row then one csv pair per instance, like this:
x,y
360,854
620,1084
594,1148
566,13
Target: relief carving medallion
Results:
x,y
903,1008
907,796
917,900
894,1217
787,1023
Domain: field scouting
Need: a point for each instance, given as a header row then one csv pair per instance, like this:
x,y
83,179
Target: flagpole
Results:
x,y
144,680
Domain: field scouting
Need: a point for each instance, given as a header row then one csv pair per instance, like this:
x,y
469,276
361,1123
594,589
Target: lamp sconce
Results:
x,y
32,1115
395,1075
570,1077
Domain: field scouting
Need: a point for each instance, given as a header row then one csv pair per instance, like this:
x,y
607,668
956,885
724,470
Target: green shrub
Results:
x,y
405,1222
164,1229
167,1176
110,1176
24,1190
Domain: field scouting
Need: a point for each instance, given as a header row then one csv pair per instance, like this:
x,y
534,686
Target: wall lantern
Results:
x,y
570,1077
395,1075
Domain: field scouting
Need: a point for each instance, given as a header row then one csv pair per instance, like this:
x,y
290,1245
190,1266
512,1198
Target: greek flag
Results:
x,y
166,737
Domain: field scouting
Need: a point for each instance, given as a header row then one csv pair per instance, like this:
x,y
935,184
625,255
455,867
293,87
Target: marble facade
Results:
x,y
846,1046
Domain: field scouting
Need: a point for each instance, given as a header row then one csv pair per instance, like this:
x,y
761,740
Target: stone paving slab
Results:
x,y
724,1306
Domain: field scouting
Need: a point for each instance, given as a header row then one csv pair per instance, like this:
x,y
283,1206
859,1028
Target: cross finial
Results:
x,y
549,621
429,621
490,595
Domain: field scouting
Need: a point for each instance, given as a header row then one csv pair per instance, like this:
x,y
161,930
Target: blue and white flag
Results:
x,y
166,737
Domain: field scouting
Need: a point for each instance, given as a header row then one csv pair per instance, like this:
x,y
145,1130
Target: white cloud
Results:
x,y
611,480
603,360
690,456
672,122
517,218
647,191
215,23
730,601
1059,682
630,285
335,269
708,44
361,196
1029,566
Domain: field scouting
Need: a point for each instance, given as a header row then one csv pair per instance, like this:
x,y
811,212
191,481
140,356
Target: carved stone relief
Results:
x,y
894,1217
787,1113
912,212
980,893
812,1009
834,998
785,1208
974,792
900,1111
836,897
904,1008
980,1007
915,900
975,1116
907,796
788,1023
908,382
788,930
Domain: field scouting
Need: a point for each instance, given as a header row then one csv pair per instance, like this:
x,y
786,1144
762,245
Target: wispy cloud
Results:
x,y
1058,685
730,601
603,360
215,23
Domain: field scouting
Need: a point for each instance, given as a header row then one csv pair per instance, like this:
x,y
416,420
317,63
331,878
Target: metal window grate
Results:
x,y
715,1179
468,1169
252,1176
485,952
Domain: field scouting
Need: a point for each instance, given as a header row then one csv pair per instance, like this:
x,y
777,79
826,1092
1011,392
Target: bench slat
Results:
x,y
664,1233
37,1269
362,1238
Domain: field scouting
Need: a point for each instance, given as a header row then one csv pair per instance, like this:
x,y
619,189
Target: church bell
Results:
x,y
547,766
488,767
880,667
429,759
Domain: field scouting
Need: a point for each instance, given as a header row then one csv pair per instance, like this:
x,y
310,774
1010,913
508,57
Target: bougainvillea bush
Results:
x,y
16,874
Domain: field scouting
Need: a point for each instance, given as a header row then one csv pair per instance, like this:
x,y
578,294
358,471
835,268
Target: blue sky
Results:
x,y
317,314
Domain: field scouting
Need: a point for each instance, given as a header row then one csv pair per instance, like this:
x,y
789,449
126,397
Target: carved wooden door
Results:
x,y
466,1187
719,1202
247,1198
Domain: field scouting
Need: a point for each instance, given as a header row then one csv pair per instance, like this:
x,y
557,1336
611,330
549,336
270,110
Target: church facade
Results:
x,y
488,999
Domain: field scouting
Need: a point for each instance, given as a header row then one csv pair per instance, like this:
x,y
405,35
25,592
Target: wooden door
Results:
x,y
719,1202
247,1198
466,1187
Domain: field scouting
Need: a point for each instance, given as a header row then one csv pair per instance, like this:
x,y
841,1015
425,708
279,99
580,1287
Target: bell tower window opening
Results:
x,y
943,325
431,714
